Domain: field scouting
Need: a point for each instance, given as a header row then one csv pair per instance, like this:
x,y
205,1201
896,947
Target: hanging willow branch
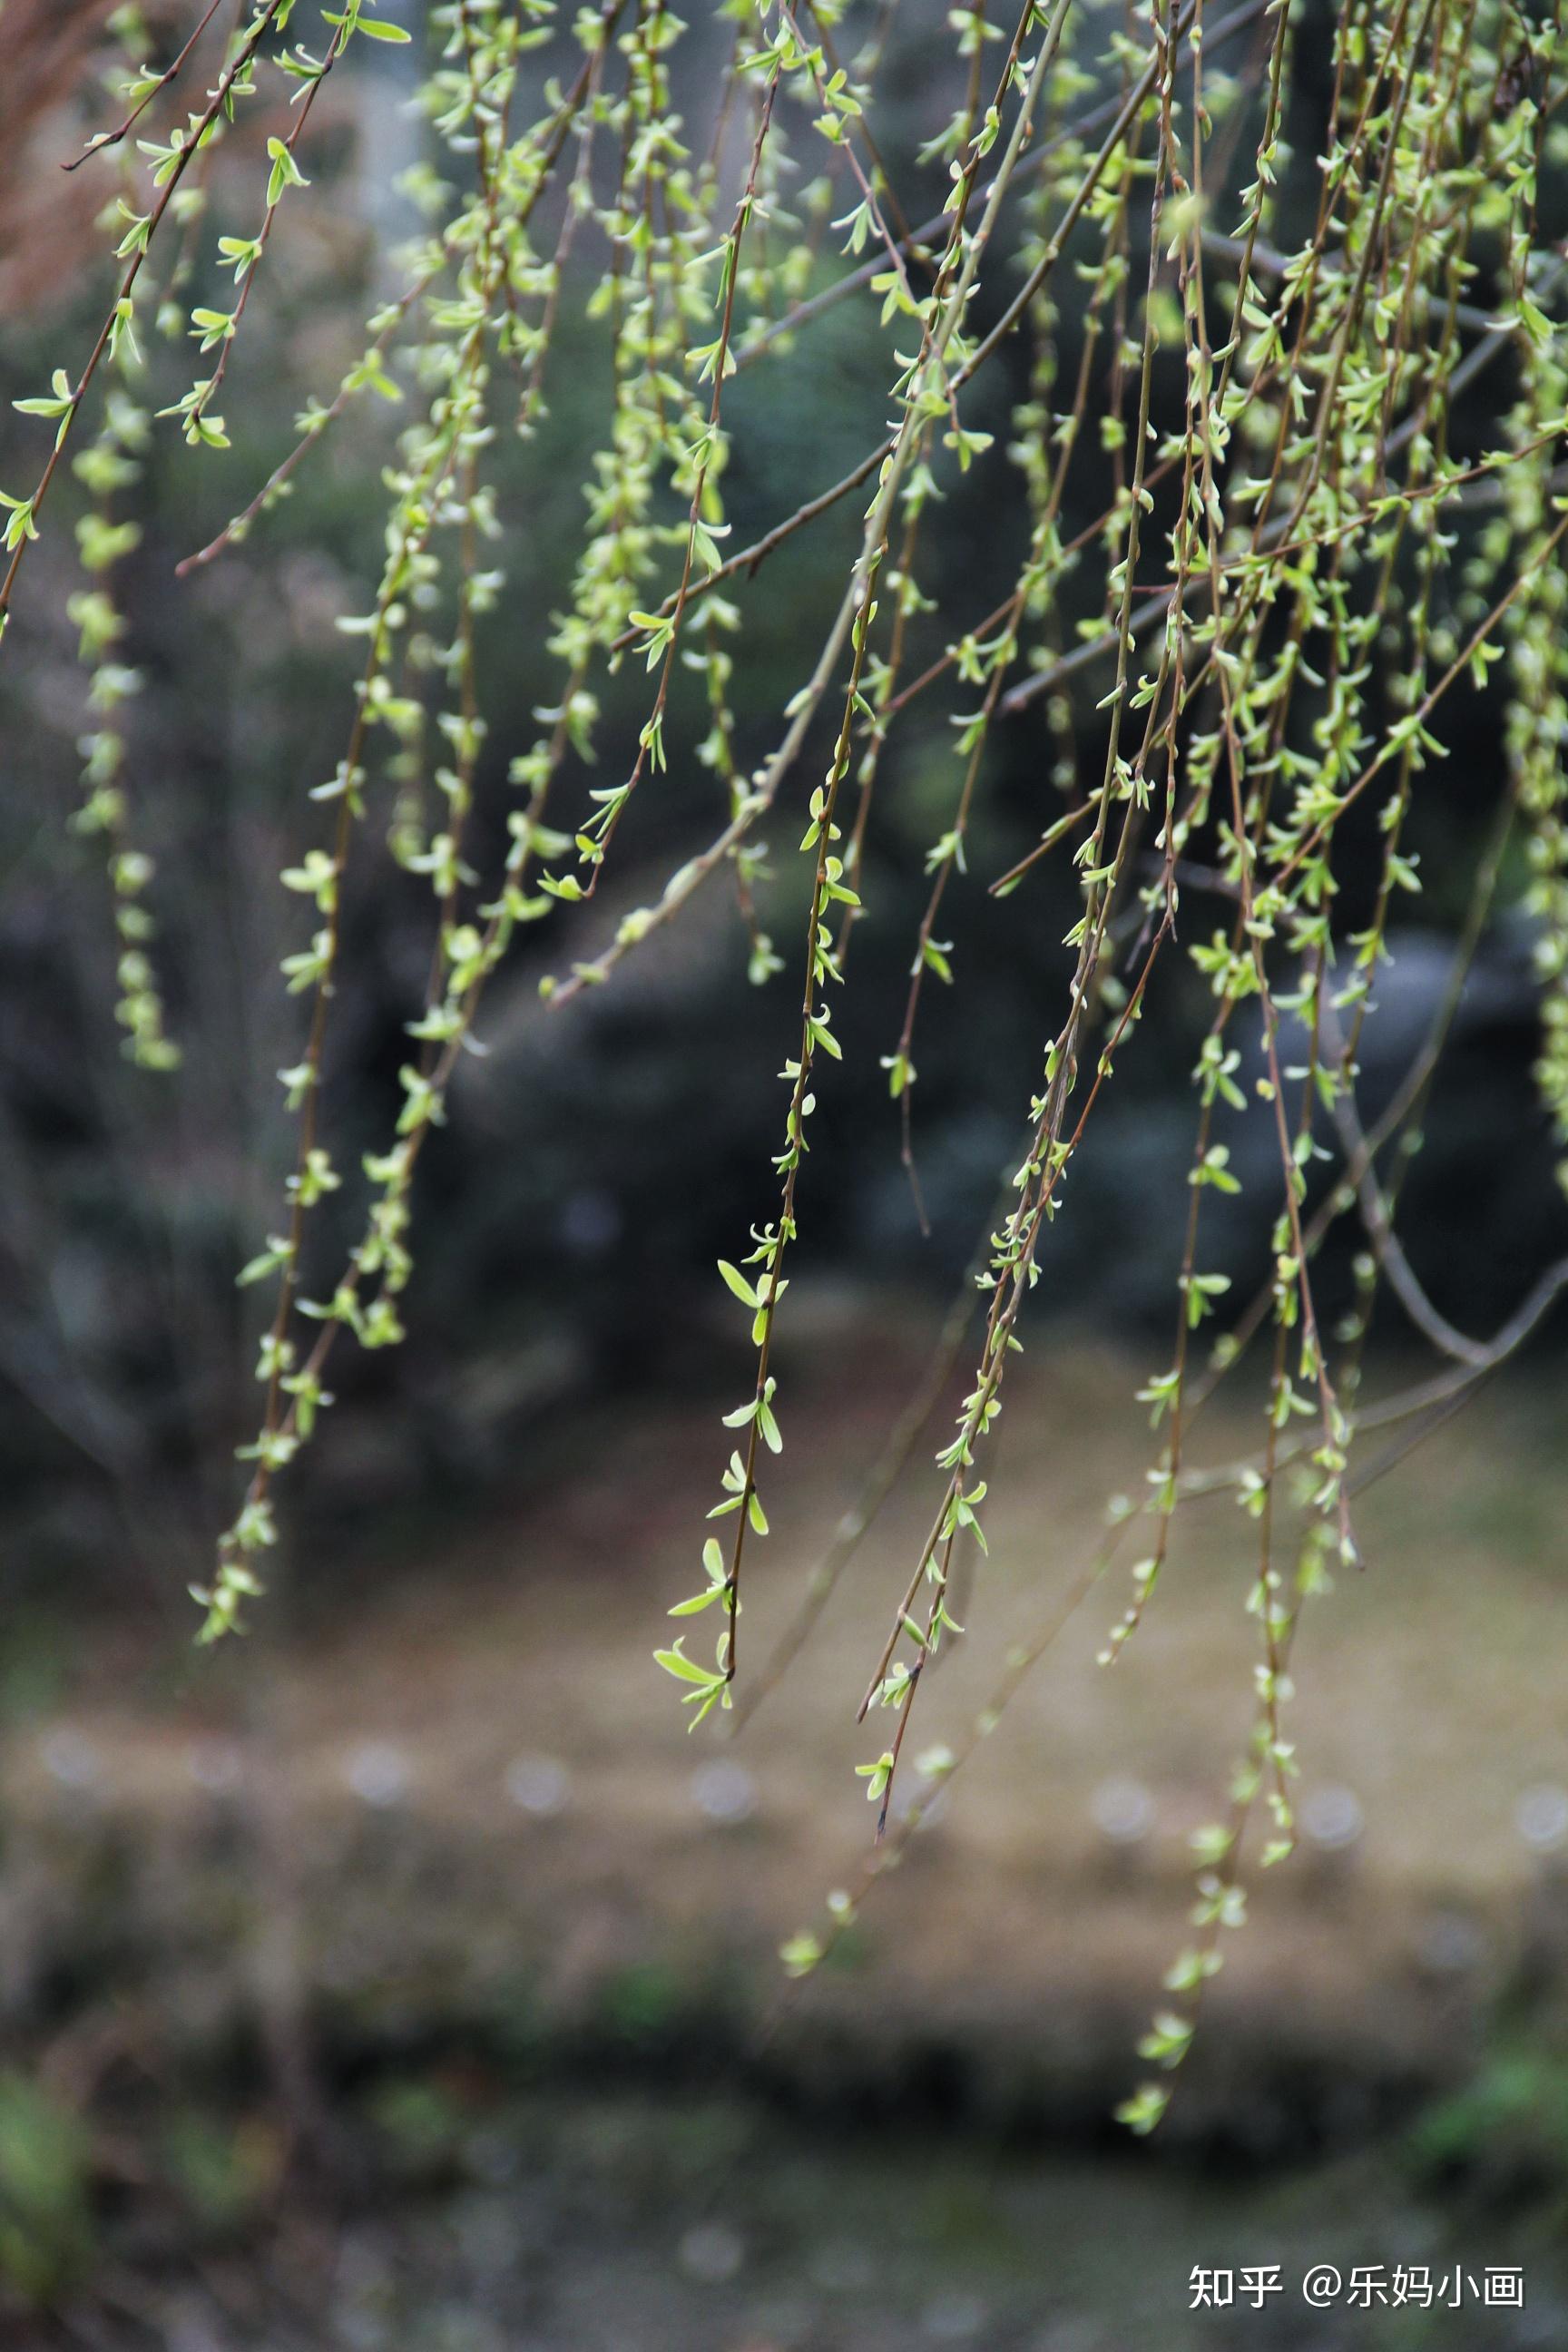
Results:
x,y
1306,571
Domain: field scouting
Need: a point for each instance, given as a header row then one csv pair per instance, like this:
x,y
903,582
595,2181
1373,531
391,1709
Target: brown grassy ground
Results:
x,y
328,1827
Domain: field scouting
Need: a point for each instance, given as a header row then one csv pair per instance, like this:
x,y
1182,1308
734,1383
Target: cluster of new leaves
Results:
x,y
1304,562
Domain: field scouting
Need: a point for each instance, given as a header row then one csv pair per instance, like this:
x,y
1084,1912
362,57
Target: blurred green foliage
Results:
x,y
46,2222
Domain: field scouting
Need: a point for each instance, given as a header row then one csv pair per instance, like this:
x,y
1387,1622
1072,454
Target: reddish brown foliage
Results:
x,y
52,54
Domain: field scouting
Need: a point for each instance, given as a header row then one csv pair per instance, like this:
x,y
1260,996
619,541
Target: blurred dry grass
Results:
x,y
476,1797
